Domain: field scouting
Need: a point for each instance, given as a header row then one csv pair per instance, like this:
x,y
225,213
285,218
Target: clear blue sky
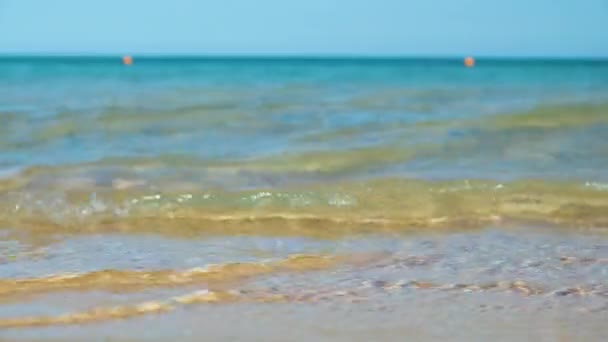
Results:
x,y
318,27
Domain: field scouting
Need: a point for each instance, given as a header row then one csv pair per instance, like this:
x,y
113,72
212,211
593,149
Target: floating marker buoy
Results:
x,y
127,60
469,62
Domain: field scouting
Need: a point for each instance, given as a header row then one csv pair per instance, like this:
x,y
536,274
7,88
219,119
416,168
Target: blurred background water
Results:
x,y
58,111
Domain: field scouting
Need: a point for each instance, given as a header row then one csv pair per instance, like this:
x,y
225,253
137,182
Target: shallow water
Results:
x,y
517,283
347,199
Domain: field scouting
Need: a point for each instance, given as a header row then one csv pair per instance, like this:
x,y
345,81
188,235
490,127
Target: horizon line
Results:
x,y
313,56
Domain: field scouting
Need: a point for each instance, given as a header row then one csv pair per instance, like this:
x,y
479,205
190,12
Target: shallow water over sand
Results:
x,y
316,199
533,283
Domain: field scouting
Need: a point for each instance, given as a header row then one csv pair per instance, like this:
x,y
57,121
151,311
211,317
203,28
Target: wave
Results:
x,y
542,165
320,210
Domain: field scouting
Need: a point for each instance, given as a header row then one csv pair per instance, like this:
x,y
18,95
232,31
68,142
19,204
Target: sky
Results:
x,y
560,28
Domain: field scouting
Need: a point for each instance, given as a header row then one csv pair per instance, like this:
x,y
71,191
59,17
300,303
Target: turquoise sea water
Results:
x,y
70,110
312,185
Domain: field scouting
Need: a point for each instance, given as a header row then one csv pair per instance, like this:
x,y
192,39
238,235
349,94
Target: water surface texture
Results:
x,y
333,199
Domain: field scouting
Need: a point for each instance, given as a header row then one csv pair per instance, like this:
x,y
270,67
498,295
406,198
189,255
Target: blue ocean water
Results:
x,y
59,111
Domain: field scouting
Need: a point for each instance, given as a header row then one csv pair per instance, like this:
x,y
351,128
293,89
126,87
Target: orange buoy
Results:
x,y
469,62
127,60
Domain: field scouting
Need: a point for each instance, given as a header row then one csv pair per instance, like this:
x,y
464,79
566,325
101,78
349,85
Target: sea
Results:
x,y
276,198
